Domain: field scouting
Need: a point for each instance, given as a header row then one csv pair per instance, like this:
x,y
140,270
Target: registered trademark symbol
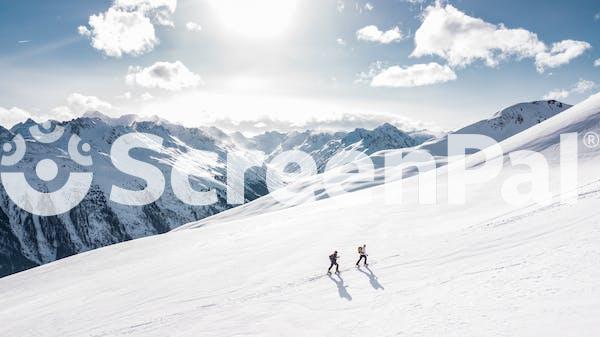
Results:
x,y
591,140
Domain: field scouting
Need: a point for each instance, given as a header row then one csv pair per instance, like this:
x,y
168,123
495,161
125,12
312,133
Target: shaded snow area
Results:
x,y
486,268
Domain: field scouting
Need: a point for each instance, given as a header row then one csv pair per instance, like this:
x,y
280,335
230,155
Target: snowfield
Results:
x,y
486,268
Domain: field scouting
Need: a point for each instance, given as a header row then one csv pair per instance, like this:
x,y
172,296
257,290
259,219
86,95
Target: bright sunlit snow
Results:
x,y
482,269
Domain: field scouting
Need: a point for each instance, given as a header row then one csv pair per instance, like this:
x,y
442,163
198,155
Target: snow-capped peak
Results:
x,y
504,123
541,109
384,137
124,120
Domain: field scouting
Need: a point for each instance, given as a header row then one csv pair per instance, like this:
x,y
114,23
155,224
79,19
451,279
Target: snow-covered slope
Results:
x,y
486,268
504,123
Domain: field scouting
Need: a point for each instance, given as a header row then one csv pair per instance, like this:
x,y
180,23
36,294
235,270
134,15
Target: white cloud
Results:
x,y
461,40
84,31
169,5
413,76
76,105
59,114
287,112
373,34
171,76
12,116
557,94
128,26
159,11
327,123
597,63
369,7
146,96
340,41
561,53
119,32
193,27
367,76
126,96
597,16
81,103
581,87
340,5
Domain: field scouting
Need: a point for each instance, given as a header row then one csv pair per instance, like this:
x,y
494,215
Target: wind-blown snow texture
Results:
x,y
27,240
482,269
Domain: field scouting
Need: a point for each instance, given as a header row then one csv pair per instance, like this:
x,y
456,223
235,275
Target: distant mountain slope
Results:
x,y
323,146
504,123
32,240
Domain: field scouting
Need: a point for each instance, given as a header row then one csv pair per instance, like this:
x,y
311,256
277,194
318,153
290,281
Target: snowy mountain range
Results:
x,y
503,124
29,240
488,267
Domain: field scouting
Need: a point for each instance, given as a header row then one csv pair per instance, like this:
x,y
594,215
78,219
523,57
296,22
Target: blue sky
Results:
x,y
294,64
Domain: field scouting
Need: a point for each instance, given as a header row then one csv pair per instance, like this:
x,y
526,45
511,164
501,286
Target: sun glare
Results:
x,y
256,18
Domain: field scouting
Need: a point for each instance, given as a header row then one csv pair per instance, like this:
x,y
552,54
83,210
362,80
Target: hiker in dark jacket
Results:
x,y
333,258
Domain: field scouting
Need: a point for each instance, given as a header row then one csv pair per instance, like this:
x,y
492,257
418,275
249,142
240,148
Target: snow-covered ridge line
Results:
x,y
502,125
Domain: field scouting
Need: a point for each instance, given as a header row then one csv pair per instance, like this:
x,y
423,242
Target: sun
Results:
x,y
255,18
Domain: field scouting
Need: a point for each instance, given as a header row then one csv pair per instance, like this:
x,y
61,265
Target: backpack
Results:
x,y
360,249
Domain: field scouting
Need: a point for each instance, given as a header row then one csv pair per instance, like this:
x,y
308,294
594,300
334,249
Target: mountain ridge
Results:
x,y
32,240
